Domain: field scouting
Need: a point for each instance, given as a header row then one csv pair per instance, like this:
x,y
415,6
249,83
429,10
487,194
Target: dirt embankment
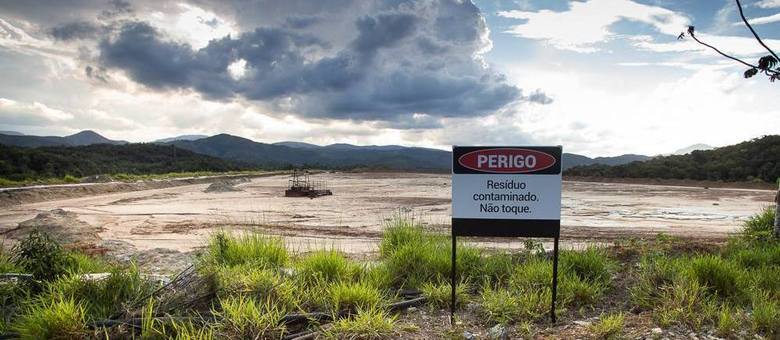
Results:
x,y
675,182
23,195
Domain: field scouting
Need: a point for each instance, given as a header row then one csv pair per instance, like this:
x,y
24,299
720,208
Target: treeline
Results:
x,y
754,160
17,163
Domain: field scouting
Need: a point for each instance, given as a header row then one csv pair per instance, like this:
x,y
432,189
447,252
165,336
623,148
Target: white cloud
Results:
x,y
762,20
237,69
637,111
768,4
587,23
737,46
192,25
16,113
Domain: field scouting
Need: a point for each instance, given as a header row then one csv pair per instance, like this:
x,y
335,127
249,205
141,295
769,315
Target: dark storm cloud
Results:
x,y
383,30
539,97
75,30
398,58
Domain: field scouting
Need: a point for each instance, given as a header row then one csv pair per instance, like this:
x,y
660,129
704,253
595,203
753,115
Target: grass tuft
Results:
x,y
370,323
505,306
592,264
256,249
328,265
766,315
246,317
719,276
760,227
609,326
63,319
439,295
354,296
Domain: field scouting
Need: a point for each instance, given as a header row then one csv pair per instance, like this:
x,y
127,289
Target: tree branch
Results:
x,y
739,5
721,53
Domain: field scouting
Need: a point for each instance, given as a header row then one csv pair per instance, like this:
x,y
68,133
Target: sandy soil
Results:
x,y
180,218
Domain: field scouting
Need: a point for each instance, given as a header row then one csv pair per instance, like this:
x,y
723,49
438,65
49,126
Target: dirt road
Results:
x,y
180,218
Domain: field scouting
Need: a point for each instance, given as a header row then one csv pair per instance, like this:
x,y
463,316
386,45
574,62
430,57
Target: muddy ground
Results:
x,y
162,226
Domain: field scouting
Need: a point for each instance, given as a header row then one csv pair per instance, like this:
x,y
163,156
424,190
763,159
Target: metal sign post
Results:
x,y
504,191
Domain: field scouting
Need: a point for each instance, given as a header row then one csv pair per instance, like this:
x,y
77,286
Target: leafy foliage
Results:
x,y
40,256
17,163
755,160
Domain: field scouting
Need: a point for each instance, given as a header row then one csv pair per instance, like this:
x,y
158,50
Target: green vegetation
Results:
x,y
608,326
62,164
754,160
370,323
251,283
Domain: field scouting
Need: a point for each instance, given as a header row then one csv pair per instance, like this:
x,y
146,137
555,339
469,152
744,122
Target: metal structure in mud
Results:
x,y
302,186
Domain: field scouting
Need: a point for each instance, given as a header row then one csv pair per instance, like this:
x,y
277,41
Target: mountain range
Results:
x,y
86,137
290,153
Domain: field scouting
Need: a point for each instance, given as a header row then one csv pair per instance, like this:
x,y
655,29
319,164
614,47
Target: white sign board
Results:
x,y
506,191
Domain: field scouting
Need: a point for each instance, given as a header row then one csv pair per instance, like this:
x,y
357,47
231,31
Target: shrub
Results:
x,y
592,264
721,277
414,264
505,306
752,257
187,330
685,303
101,298
728,322
439,295
766,315
82,263
354,296
13,296
399,232
40,256
7,264
259,250
609,326
655,274
378,275
580,292
498,268
760,227
245,317
370,323
70,179
535,273
329,265
767,279
63,319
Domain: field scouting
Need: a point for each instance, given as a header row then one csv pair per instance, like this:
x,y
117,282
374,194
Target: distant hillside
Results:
x,y
86,137
571,160
17,163
337,156
757,159
688,149
348,156
182,137
11,133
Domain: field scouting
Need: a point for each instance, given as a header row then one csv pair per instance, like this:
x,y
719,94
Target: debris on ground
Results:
x,y
62,225
222,186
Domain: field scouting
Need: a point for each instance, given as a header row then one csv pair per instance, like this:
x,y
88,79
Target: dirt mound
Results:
x,y
63,226
222,186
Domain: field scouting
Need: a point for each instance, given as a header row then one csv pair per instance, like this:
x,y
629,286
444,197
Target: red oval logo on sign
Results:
x,y
507,160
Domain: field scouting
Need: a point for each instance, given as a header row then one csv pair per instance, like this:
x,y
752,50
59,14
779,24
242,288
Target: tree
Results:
x,y
767,65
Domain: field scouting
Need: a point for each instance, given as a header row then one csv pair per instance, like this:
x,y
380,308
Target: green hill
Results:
x,y
18,163
754,160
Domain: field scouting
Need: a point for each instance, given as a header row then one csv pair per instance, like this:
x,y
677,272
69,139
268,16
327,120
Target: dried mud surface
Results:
x,y
178,219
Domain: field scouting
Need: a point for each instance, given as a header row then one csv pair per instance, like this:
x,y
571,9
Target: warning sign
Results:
x,y
506,191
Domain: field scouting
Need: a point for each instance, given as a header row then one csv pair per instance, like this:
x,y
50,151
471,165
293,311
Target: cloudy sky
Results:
x,y
600,77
